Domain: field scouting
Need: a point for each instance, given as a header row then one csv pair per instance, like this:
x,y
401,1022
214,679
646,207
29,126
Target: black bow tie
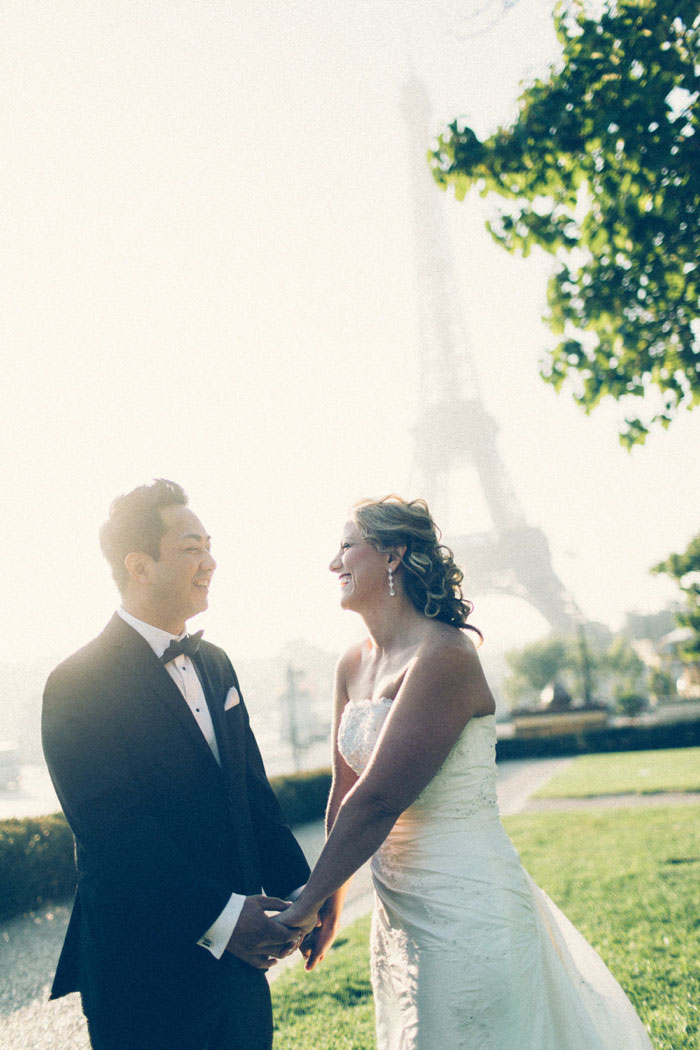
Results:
x,y
187,645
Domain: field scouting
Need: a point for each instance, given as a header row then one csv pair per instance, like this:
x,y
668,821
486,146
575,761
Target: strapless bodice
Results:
x,y
464,785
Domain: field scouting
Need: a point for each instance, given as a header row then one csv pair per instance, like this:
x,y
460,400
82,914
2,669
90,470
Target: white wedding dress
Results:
x,y
467,953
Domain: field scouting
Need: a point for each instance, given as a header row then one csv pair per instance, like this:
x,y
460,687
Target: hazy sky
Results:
x,y
209,275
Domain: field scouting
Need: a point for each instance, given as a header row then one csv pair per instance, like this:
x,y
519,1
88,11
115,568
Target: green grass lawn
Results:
x,y
627,772
627,878
331,1007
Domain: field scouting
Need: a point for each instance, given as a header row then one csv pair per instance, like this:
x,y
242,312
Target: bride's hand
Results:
x,y
316,944
298,917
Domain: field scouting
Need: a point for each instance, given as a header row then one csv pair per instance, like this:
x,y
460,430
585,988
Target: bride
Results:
x,y
466,951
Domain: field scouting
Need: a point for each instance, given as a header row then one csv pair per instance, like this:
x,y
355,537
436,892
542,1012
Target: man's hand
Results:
x,y
259,940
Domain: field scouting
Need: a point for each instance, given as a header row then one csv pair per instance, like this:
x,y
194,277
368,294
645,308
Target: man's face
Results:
x,y
181,576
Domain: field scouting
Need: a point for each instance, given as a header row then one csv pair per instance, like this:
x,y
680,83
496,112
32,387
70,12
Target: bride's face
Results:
x,y
361,569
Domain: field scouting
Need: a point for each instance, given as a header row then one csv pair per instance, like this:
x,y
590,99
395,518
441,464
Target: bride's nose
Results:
x,y
335,564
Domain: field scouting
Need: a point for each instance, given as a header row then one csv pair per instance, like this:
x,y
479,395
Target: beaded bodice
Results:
x,y
466,782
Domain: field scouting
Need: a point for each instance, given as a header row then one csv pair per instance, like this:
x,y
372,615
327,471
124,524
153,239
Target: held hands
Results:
x,y
319,930
260,940
316,944
298,917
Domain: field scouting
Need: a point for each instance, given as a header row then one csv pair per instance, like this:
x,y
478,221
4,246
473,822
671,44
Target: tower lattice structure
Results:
x,y
454,427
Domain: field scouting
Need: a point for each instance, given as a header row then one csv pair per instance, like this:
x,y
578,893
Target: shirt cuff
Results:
x,y
219,933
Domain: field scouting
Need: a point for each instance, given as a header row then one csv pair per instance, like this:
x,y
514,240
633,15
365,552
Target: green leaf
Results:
x,y
600,163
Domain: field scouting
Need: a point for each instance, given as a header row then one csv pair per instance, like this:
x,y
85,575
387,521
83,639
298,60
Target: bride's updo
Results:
x,y
431,579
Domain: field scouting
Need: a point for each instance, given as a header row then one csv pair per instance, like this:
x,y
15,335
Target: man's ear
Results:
x,y
138,565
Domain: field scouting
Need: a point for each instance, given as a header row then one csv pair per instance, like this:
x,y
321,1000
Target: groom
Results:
x,y
176,827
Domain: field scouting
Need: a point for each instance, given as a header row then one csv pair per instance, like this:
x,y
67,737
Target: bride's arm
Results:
x,y
317,943
439,695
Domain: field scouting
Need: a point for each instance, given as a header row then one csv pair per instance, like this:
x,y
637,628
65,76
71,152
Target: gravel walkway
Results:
x,y
29,950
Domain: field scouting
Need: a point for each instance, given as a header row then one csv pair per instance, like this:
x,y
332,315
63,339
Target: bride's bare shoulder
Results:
x,y
350,663
446,642
449,661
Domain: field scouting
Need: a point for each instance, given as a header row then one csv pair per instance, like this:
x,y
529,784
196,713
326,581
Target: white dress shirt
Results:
x,y
183,673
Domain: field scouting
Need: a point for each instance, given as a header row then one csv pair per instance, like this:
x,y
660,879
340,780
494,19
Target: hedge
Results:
x,y
36,863
36,853
640,737
303,796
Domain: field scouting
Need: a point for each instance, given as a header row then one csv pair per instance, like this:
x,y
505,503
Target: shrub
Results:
x,y
631,704
303,796
36,854
36,863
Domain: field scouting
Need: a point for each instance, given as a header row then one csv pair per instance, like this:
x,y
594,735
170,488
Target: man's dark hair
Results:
x,y
135,524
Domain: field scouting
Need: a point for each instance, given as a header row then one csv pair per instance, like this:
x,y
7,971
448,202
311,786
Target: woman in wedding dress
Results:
x,y
467,953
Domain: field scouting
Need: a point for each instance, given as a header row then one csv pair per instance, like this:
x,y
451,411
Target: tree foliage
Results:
x,y
625,667
537,665
602,169
685,569
551,662
592,661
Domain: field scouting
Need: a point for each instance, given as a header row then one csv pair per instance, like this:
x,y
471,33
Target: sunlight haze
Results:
x,y
210,277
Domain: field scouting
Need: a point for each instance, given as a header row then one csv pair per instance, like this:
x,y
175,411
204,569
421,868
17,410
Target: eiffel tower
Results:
x,y
454,426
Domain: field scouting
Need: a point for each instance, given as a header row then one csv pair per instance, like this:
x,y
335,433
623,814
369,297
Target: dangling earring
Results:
x,y
392,592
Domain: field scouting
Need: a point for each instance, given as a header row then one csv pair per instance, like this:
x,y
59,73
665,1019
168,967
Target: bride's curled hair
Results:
x,y
431,578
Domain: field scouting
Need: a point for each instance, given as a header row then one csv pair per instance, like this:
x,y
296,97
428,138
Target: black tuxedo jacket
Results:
x,y
163,833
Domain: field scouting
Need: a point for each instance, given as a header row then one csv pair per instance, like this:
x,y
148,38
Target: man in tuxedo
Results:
x,y
176,827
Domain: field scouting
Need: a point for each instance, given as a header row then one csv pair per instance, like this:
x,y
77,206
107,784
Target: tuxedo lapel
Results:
x,y
144,675
232,769
231,738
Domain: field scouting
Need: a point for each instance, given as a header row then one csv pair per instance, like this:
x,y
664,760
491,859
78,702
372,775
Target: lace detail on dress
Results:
x,y
359,730
465,785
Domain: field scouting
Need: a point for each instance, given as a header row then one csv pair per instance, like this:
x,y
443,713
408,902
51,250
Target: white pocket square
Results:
x,y
232,698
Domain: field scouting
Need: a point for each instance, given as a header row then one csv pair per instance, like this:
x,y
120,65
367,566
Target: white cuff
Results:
x,y
219,933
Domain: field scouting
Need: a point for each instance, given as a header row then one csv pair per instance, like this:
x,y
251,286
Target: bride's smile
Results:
x,y
360,567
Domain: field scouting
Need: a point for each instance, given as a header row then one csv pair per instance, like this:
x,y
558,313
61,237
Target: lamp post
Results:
x,y
583,651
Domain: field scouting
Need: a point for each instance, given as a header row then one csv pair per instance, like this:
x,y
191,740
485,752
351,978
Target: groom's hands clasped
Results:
x,y
260,940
